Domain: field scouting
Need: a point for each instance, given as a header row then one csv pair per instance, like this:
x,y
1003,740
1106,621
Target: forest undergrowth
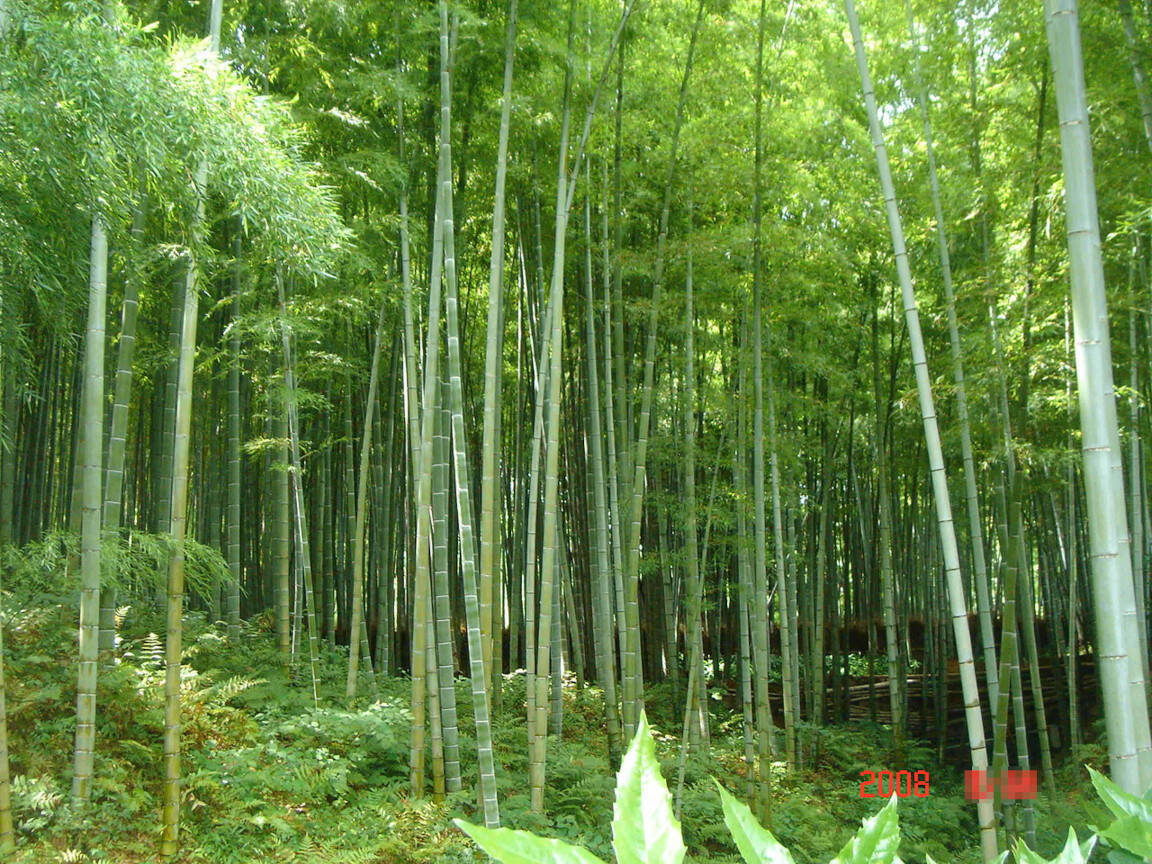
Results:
x,y
270,777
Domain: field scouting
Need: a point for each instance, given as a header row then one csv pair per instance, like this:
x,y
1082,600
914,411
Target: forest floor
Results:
x,y
268,777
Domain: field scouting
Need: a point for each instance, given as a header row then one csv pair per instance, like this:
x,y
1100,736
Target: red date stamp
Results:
x,y
902,784
1012,785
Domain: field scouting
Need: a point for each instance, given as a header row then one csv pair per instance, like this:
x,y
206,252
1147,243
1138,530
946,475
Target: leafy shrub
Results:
x,y
645,831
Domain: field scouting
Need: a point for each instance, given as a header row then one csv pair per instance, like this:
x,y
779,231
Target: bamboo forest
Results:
x,y
648,431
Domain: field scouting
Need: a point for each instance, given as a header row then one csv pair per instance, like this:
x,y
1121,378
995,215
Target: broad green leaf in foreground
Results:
x,y
523,847
1132,834
1120,856
755,842
1074,852
1132,828
644,829
877,840
1121,803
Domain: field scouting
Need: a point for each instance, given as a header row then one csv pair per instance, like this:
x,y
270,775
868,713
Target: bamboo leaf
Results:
x,y
644,829
523,847
756,843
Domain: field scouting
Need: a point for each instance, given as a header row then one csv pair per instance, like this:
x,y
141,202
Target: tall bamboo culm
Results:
x,y
464,519
92,422
1121,678
947,532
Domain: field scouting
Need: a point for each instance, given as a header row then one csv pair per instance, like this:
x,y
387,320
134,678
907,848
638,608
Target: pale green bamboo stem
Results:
x,y
423,472
117,440
92,421
975,525
490,468
602,604
357,616
633,671
445,666
282,538
1125,705
232,514
947,533
180,460
480,708
758,611
303,551
697,715
170,818
538,724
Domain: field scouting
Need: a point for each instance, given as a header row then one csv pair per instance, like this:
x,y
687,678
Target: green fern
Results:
x,y
225,691
35,802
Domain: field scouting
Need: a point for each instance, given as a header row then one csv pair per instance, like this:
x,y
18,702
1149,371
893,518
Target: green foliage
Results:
x,y
645,830
876,841
35,801
134,562
754,842
1074,852
522,847
1131,829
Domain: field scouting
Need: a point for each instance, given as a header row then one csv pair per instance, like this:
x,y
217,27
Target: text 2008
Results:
x,y
904,784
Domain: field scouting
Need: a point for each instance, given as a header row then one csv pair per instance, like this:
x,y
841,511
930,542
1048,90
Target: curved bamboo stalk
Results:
x,y
975,524
947,530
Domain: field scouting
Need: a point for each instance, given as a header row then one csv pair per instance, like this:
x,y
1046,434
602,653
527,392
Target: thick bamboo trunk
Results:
x,y
117,441
445,664
1122,681
92,421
